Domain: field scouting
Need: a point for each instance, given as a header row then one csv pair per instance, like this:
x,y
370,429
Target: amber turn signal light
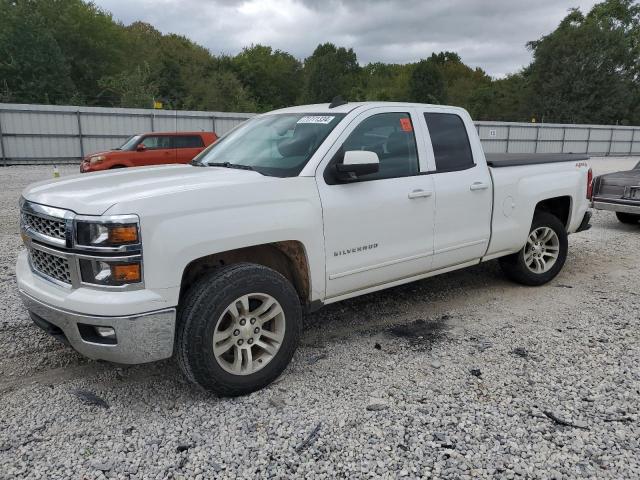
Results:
x,y
123,234
126,272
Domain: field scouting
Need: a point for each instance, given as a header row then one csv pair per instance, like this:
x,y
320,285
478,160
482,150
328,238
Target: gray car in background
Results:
x,y
619,192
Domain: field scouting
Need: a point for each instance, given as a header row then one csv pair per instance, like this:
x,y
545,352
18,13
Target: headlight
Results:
x,y
94,234
96,159
110,273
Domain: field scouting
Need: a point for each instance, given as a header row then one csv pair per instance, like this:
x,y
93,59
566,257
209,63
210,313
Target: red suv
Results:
x,y
150,149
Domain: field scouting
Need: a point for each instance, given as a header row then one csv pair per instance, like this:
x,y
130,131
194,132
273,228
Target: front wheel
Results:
x,y
238,329
628,218
544,254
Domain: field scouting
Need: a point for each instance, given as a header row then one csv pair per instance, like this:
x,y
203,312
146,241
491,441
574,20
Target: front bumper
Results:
x,y
625,207
140,338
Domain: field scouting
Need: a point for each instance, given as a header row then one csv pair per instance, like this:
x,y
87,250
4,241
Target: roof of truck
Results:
x,y
180,133
350,106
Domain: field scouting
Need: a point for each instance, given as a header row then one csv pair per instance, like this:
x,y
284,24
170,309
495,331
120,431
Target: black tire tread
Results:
x,y
628,218
513,265
189,351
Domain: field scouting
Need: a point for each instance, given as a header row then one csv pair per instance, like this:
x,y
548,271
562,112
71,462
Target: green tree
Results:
x,y
586,70
426,84
386,82
461,81
273,78
131,88
32,65
92,43
220,91
503,100
330,71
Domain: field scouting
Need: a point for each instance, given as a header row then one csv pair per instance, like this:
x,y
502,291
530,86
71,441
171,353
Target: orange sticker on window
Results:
x,y
405,124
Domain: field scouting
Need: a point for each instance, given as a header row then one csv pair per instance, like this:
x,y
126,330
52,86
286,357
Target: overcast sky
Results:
x,y
486,33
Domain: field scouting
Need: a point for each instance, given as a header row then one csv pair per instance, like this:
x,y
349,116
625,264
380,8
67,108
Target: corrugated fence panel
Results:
x,y
115,125
224,125
52,133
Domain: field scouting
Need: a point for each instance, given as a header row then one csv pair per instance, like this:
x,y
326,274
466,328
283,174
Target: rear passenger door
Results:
x,y
187,147
158,150
463,190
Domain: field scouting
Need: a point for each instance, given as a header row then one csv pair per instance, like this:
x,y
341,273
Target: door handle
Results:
x,y
478,186
420,193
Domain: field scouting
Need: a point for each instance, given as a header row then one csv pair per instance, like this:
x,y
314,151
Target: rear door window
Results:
x,y
450,142
189,141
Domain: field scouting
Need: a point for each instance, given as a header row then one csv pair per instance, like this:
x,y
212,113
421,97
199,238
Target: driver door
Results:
x,y
159,149
380,228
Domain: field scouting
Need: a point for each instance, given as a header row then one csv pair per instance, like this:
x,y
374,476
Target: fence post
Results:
x,y
633,139
213,125
610,142
80,135
506,150
588,140
535,148
564,136
4,159
152,117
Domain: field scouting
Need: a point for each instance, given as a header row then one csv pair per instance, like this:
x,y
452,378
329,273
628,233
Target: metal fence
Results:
x,y
62,134
595,140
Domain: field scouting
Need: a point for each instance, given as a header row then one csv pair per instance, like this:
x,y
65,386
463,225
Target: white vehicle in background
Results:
x,y
216,262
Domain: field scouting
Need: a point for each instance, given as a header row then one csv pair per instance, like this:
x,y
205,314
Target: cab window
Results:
x,y
391,136
155,142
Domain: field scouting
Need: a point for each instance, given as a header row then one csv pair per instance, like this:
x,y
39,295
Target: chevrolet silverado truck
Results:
x,y
215,262
619,192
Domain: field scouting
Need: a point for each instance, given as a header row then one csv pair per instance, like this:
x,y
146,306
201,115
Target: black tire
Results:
x,y
628,218
514,266
204,304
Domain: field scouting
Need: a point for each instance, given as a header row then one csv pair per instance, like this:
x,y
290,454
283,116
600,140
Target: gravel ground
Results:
x,y
463,375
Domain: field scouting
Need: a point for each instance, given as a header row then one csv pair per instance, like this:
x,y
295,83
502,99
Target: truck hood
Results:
x,y
94,194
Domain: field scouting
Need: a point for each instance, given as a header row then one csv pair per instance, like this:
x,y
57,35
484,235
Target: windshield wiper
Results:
x,y
229,165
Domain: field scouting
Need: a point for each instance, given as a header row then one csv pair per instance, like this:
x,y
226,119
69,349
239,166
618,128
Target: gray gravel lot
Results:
x,y
463,375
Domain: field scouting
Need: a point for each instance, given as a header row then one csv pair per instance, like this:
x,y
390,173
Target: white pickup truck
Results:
x,y
215,262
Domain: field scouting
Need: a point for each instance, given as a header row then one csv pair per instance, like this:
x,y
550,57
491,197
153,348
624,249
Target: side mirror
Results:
x,y
141,147
356,163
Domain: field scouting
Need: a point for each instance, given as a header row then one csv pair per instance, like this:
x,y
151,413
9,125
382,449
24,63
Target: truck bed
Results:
x,y
498,160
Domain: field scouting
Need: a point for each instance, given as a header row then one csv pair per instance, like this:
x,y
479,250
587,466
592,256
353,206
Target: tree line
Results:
x,y
72,52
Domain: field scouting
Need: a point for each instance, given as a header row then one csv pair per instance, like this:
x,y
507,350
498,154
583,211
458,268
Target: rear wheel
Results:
x,y
239,328
544,254
629,218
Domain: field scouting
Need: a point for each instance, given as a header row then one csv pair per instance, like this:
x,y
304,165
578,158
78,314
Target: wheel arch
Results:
x,y
289,258
560,207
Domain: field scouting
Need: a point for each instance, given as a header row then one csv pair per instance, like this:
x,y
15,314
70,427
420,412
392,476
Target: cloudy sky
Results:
x,y
486,33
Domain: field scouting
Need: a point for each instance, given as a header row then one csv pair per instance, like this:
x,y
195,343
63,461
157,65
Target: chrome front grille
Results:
x,y
45,226
49,233
52,266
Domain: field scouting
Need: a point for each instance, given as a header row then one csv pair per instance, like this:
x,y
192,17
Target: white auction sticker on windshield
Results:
x,y
324,119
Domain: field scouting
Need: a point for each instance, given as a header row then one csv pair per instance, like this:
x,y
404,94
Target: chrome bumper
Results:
x,y
140,338
617,207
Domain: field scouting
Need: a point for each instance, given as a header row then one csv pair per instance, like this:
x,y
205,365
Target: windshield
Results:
x,y
277,144
130,143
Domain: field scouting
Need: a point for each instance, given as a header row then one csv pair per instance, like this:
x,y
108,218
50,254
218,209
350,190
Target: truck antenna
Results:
x,y
337,101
